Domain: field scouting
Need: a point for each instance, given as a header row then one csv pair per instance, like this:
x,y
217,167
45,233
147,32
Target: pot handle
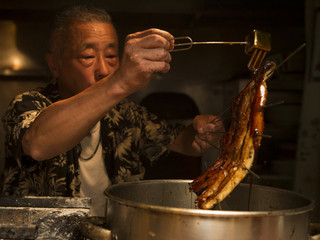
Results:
x,y
315,231
94,228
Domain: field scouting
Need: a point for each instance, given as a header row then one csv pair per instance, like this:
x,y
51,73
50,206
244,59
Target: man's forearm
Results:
x,y
64,124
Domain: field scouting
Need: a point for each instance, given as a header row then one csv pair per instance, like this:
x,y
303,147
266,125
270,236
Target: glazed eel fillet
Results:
x,y
238,146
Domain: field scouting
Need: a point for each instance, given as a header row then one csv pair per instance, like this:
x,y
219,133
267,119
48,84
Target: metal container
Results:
x,y
164,209
32,217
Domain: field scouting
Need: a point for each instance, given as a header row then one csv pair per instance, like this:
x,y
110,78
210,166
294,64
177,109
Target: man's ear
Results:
x,y
52,64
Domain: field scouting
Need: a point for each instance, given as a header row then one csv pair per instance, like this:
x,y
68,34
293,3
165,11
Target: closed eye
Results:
x,y
86,57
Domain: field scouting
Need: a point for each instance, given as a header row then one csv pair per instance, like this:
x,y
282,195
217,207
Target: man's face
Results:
x,y
92,54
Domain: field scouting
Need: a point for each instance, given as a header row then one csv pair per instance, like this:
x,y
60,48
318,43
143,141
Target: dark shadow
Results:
x,y
173,107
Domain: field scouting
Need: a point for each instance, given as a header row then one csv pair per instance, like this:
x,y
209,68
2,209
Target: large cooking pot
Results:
x,y
164,209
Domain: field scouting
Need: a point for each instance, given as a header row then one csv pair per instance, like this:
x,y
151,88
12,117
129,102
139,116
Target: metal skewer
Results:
x,y
186,43
257,44
291,54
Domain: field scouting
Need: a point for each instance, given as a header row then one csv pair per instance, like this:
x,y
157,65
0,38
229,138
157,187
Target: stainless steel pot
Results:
x,y
164,209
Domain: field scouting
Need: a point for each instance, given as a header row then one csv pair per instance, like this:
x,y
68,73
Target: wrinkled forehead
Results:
x,y
82,35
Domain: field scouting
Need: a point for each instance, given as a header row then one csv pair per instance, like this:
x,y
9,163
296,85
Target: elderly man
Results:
x,y
82,128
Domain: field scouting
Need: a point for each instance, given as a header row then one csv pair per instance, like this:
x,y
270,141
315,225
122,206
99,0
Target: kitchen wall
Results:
x,y
307,171
210,75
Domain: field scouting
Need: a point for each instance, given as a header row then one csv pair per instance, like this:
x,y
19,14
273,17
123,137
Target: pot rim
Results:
x,y
209,213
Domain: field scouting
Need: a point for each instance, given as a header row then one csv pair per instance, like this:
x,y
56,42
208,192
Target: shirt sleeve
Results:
x,y
156,134
20,115
25,176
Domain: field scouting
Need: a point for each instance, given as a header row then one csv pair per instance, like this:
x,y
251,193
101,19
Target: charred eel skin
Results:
x,y
239,145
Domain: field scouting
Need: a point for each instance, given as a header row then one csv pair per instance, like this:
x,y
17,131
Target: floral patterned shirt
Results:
x,y
130,136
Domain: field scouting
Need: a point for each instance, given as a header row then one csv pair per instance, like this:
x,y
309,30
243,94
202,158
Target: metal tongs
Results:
x,y
257,44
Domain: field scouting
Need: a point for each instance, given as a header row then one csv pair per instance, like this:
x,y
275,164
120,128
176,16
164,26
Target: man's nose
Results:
x,y
102,68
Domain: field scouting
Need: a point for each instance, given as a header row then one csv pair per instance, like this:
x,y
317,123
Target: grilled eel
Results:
x,y
238,146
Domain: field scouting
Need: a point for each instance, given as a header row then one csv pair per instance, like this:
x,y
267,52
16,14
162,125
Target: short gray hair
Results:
x,y
61,34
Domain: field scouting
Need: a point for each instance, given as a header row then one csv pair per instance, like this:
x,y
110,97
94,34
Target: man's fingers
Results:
x,y
152,38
